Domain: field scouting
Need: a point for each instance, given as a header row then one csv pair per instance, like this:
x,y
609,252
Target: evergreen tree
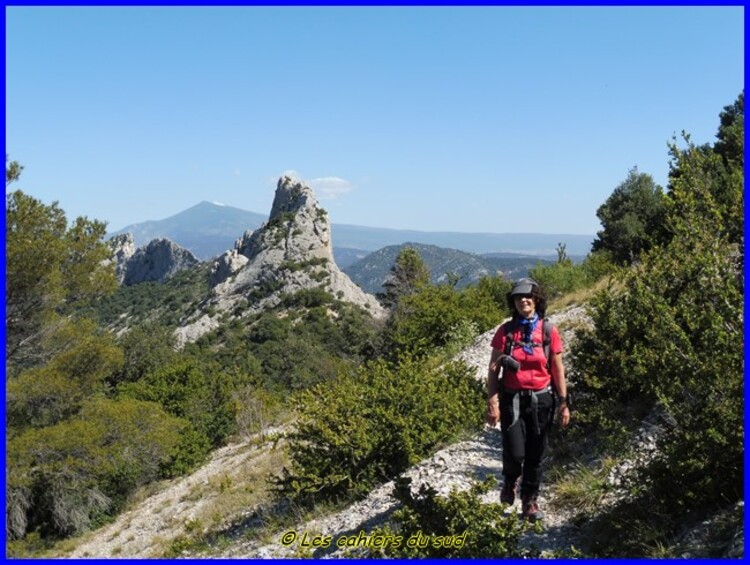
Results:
x,y
671,334
51,270
629,217
408,274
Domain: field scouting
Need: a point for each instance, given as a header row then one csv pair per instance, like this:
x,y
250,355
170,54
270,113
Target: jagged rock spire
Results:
x,y
289,253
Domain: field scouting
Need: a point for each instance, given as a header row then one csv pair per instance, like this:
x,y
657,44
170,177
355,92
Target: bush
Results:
x,y
671,336
459,525
45,395
564,276
146,348
433,316
185,390
367,427
62,479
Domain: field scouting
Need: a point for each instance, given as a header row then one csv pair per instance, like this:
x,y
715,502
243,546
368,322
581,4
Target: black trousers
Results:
x,y
524,440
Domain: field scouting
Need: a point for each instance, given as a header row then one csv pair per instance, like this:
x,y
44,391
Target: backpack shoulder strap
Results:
x,y
509,342
547,328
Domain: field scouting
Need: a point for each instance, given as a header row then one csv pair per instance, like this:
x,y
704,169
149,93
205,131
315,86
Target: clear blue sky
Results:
x,y
496,119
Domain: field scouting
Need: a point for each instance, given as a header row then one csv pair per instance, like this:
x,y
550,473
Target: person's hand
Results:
x,y
493,412
564,415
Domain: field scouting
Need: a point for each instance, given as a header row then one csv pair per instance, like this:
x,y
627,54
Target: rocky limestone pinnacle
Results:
x,y
291,252
292,195
122,248
157,261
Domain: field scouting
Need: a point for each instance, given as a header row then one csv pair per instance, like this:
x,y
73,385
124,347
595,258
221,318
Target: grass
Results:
x,y
583,487
231,494
581,296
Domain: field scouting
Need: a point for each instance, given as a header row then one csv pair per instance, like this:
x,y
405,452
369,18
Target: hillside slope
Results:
x,y
151,527
443,263
190,508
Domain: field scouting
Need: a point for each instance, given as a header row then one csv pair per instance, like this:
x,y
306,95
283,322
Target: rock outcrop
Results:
x,y
122,249
157,261
231,261
292,252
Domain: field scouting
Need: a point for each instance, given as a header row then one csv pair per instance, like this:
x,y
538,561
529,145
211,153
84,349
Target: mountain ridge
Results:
x,y
209,229
443,263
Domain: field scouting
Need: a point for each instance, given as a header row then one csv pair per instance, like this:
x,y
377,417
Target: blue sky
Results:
x,y
491,119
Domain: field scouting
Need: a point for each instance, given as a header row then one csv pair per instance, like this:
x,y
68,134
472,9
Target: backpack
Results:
x,y
510,343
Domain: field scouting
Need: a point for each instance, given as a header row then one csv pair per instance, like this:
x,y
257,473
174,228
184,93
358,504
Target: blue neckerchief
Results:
x,y
527,327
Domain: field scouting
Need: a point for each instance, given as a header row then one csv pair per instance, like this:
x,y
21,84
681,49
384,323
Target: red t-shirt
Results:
x,y
533,373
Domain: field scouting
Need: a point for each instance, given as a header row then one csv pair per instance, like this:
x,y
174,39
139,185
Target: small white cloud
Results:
x,y
237,172
330,188
291,173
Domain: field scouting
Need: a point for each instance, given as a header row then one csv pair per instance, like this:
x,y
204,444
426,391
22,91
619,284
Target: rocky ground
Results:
x,y
145,530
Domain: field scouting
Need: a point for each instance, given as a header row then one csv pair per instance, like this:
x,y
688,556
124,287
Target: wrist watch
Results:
x,y
563,401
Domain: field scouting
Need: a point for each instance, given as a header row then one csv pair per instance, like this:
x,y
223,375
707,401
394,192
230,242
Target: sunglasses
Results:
x,y
520,296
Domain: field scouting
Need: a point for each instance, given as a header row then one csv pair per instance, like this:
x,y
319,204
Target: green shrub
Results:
x,y
45,395
459,525
365,428
62,479
146,348
565,276
432,317
671,335
194,393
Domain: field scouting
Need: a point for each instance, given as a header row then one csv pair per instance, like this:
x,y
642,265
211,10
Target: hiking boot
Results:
x,y
530,509
508,494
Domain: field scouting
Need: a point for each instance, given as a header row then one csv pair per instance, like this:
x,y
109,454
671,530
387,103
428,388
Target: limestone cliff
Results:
x,y
122,248
291,252
157,261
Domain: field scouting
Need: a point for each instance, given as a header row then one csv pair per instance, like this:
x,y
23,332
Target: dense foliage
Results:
x,y
459,525
366,427
631,217
671,334
157,303
564,276
67,477
185,390
52,268
307,339
437,316
45,395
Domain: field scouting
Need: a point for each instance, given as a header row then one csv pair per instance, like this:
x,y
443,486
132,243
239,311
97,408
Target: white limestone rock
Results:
x,y
157,261
289,253
122,249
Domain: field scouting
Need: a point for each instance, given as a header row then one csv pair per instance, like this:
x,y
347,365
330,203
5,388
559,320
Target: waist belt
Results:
x,y
517,394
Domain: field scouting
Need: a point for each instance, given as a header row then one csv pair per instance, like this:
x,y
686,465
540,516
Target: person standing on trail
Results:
x,y
529,350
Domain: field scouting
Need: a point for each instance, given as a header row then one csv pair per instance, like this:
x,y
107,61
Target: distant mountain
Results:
x,y
345,256
534,244
206,229
209,229
370,272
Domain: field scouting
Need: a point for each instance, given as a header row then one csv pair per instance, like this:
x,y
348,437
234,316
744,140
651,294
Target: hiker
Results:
x,y
524,400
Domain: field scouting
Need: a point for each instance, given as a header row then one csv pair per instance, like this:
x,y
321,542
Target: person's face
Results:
x,y
525,305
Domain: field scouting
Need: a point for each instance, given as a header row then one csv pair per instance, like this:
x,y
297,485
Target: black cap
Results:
x,y
524,286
